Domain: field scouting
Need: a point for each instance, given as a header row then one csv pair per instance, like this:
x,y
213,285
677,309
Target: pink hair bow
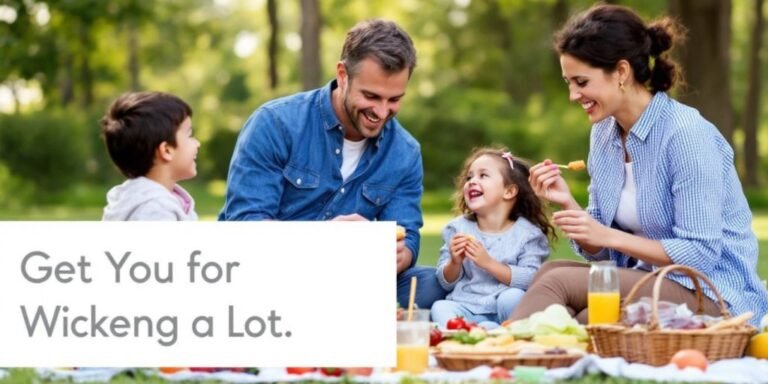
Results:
x,y
508,156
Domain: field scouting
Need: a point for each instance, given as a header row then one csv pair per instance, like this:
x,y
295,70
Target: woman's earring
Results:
x,y
621,85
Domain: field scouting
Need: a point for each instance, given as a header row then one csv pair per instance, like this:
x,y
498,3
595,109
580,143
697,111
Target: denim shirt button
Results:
x,y
342,191
338,151
298,181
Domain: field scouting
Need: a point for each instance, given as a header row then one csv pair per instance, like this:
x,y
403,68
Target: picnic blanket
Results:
x,y
744,370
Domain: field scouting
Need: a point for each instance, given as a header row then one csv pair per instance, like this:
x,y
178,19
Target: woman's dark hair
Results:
x,y
527,205
606,34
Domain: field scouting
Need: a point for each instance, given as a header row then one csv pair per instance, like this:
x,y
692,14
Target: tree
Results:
x,y
754,86
274,30
706,59
311,68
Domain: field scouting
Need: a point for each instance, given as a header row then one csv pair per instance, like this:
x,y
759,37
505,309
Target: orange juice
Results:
x,y
603,307
412,358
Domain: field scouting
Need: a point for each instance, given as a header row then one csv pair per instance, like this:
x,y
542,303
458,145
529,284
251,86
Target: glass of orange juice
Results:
x,y
603,297
413,342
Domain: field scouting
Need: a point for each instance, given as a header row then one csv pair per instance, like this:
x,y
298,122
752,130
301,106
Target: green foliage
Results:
x,y
214,155
49,150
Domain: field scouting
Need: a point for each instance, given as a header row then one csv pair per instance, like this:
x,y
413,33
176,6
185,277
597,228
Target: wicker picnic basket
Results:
x,y
655,346
467,361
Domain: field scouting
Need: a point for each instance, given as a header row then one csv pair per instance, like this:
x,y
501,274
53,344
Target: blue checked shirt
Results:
x,y
688,196
287,166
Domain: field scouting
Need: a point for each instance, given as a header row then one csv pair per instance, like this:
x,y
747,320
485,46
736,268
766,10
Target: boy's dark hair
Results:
x,y
382,41
136,124
528,205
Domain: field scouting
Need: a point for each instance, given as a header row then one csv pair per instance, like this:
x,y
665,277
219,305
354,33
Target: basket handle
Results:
x,y
660,274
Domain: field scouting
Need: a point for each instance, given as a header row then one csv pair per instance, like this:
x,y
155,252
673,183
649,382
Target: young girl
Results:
x,y
496,245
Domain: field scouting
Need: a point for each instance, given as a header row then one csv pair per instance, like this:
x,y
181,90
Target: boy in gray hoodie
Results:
x,y
149,138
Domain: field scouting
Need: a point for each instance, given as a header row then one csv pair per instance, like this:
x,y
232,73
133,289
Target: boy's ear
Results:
x,y
164,151
510,192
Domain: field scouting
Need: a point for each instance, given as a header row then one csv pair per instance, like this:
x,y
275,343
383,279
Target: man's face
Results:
x,y
370,98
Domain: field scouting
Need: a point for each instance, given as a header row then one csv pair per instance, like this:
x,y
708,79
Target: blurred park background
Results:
x,y
486,74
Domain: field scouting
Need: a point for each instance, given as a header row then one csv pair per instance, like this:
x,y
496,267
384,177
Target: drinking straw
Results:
x,y
412,298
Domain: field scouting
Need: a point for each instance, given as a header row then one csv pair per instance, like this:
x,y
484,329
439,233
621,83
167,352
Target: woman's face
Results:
x,y
596,91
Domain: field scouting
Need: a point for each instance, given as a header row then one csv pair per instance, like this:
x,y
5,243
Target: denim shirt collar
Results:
x,y
647,119
331,121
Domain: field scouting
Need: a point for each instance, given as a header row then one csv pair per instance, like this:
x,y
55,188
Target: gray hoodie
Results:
x,y
145,199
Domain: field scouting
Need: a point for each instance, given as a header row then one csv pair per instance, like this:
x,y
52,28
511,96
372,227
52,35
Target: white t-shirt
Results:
x,y
626,214
351,154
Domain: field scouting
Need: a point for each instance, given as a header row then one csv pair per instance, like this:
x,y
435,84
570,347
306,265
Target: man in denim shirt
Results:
x,y
338,153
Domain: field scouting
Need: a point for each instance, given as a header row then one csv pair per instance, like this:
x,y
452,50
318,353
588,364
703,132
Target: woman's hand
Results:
x,y
549,185
477,253
458,244
578,225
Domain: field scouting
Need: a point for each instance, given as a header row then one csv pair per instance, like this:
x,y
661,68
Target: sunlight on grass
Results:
x,y
760,226
217,188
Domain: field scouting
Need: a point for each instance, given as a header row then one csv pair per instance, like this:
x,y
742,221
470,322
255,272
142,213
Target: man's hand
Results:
x,y
404,256
352,217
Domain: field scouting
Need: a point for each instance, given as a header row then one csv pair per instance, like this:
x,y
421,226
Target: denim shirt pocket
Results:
x,y
301,178
376,198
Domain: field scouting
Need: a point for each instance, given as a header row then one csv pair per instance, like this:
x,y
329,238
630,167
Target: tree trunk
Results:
x,y
751,114
13,85
559,15
706,59
86,74
66,84
274,28
133,55
311,69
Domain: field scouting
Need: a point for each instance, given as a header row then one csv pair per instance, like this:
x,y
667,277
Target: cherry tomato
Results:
x,y
456,323
331,371
435,337
299,370
359,371
500,373
689,358
468,325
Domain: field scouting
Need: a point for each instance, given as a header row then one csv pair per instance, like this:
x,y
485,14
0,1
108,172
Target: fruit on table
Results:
x,y
435,337
500,373
456,323
171,370
689,358
331,371
359,371
758,346
203,369
299,370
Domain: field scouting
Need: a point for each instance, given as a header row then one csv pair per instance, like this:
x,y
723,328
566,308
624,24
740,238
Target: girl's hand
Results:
x,y
477,253
458,244
578,225
549,185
